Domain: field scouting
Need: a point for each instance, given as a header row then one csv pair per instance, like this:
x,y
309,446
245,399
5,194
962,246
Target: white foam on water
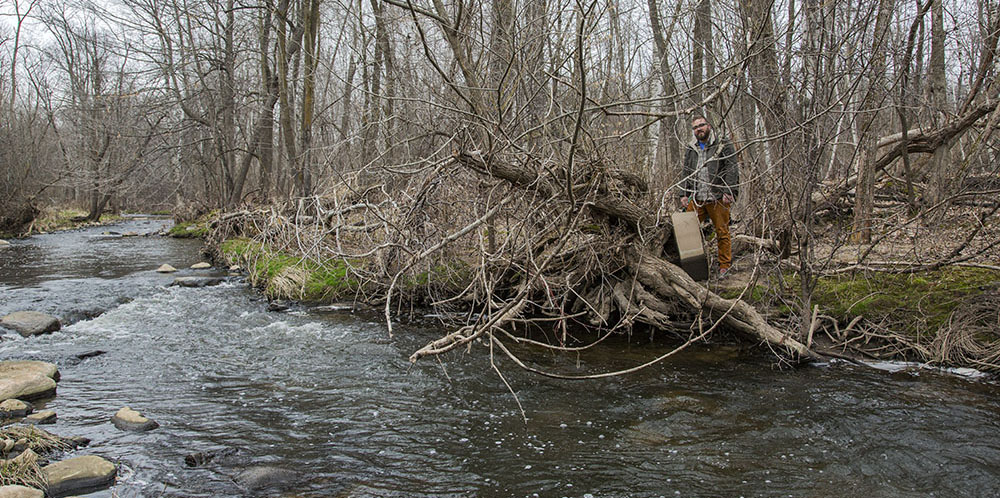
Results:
x,y
903,366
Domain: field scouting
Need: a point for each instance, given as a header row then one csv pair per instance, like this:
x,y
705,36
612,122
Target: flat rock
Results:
x,y
14,408
197,281
27,380
14,491
201,266
165,268
42,417
29,323
266,477
128,419
79,475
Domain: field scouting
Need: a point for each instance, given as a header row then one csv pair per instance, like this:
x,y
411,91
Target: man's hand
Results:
x,y
684,202
727,199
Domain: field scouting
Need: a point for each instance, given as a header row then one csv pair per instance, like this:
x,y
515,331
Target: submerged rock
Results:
x,y
42,417
266,477
14,408
278,306
27,380
80,475
197,281
165,268
201,266
204,457
29,323
89,354
14,491
128,419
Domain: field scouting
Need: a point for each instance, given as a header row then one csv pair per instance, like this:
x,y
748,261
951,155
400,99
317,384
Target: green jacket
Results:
x,y
723,170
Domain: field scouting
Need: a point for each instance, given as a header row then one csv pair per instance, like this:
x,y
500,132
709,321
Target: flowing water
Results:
x,y
331,396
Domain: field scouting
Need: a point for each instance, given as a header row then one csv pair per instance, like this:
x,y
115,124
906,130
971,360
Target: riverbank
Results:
x,y
939,315
53,219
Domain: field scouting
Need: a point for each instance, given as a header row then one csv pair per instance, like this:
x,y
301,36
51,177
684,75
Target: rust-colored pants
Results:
x,y
718,212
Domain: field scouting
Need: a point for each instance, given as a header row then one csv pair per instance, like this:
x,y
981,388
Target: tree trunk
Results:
x,y
864,199
942,174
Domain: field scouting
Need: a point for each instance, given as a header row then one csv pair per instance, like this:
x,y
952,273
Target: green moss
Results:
x,y
190,230
282,275
913,303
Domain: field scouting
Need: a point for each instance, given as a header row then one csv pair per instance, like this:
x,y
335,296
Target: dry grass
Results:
x,y
22,470
38,440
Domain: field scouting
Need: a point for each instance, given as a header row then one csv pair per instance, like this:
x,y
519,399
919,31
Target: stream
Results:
x,y
332,396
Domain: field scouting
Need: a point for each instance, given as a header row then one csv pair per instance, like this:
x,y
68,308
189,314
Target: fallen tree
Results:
x,y
646,286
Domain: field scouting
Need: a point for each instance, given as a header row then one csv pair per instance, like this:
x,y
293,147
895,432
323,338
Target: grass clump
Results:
x,y
38,440
22,470
21,467
285,276
190,230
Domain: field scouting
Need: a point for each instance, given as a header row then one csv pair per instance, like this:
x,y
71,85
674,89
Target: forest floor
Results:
x,y
921,291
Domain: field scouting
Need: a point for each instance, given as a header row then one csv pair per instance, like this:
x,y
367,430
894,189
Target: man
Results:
x,y
710,183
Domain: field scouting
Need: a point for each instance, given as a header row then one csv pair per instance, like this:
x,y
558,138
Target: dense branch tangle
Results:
x,y
584,247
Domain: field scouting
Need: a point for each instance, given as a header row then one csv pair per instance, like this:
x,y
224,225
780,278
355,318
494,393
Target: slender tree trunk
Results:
x,y
942,173
865,193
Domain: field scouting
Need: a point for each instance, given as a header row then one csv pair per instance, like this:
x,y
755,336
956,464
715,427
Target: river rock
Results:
x,y
201,266
128,419
277,306
14,408
4,243
165,268
29,323
42,417
204,457
27,380
197,281
14,491
266,477
80,475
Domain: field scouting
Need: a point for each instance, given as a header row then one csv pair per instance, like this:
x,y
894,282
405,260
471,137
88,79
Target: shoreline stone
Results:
x,y
165,268
27,380
16,491
128,419
30,323
79,475
43,417
201,266
14,408
197,281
